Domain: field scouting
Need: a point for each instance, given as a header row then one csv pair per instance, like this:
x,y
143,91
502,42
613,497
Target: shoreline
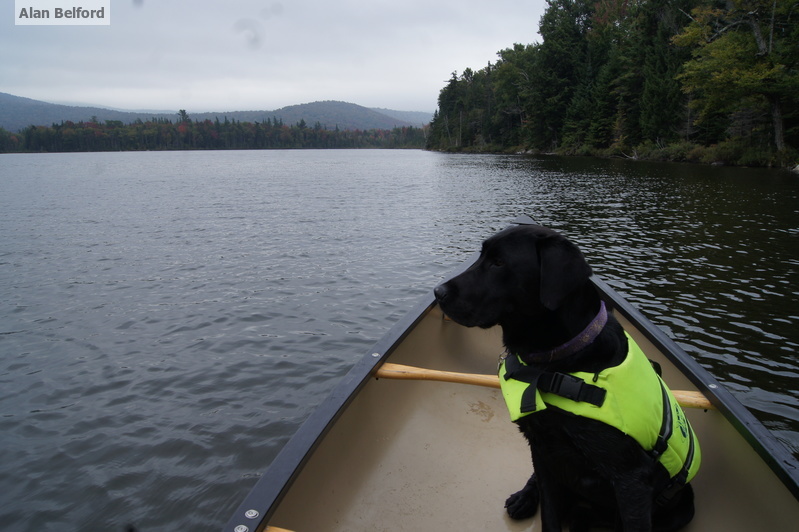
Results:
x,y
717,155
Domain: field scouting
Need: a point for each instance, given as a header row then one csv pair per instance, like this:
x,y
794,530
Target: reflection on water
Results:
x,y
168,319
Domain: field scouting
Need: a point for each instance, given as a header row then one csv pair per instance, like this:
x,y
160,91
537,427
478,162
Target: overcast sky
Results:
x,y
226,55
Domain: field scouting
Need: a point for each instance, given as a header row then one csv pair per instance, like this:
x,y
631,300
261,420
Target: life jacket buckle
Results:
x,y
566,386
574,388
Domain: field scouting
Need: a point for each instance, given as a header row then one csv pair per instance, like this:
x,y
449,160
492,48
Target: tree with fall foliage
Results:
x,y
745,59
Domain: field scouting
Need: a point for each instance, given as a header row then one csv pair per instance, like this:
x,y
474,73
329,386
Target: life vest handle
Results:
x,y
389,370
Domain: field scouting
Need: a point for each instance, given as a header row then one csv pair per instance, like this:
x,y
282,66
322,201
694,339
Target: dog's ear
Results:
x,y
563,270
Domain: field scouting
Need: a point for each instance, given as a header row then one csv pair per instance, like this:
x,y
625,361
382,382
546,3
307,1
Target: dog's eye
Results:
x,y
497,262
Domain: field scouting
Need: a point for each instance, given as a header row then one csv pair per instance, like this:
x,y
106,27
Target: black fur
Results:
x,y
535,284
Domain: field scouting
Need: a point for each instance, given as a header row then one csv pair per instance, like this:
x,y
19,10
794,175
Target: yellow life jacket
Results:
x,y
629,397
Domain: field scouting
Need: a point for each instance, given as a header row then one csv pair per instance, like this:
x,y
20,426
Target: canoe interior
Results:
x,y
417,455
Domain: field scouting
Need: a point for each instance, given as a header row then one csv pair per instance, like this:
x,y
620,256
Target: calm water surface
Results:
x,y
167,320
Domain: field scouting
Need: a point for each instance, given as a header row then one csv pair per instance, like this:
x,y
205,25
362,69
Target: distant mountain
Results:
x,y
17,113
417,118
328,114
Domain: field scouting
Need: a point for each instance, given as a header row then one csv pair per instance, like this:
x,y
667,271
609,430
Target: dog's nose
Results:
x,y
441,292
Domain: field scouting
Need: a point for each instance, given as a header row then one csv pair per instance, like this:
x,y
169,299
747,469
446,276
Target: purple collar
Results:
x,y
581,341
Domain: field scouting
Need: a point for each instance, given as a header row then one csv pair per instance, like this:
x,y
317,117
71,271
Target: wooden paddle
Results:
x,y
685,398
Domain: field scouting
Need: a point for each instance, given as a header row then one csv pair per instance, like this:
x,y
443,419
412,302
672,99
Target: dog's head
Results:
x,y
522,273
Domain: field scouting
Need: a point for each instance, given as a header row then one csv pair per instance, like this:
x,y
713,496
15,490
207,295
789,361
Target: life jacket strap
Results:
x,y
666,425
516,370
679,480
572,387
561,384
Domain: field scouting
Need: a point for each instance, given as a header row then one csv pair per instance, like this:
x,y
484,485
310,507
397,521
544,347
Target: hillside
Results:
x,y
417,118
329,114
17,113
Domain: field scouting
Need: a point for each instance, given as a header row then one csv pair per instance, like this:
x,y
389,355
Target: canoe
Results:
x,y
383,453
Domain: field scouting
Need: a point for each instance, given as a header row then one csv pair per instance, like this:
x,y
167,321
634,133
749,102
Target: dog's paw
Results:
x,y
524,503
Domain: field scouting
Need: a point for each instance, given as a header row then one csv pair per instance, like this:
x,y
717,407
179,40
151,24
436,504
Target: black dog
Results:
x,y
535,284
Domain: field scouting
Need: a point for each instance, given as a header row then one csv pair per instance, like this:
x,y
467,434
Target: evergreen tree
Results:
x,y
559,62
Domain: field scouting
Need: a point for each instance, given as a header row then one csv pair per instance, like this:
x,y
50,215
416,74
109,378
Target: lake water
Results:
x,y
168,319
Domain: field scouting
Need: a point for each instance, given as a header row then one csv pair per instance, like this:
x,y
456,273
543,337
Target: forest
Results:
x,y
186,134
709,81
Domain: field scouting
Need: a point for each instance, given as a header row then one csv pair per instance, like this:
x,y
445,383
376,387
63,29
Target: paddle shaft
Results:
x,y
686,398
